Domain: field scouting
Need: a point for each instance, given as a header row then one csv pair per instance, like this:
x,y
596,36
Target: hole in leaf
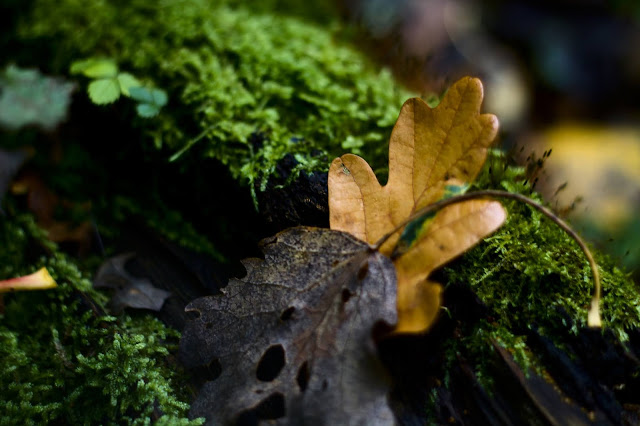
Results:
x,y
287,313
208,372
381,330
271,363
270,408
303,376
346,295
247,418
193,314
363,271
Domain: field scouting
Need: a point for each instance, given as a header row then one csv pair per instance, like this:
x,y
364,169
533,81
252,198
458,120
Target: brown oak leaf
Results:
x,y
431,151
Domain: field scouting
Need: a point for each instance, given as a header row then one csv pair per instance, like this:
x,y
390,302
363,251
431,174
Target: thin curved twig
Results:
x,y
593,319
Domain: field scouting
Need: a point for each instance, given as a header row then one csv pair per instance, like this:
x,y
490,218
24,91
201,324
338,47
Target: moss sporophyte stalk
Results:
x,y
593,318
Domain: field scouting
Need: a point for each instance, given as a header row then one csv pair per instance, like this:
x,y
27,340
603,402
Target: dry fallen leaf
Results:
x,y
131,292
39,280
430,151
294,338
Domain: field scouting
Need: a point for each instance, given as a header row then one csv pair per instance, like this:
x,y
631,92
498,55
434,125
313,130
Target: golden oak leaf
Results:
x,y
453,231
430,151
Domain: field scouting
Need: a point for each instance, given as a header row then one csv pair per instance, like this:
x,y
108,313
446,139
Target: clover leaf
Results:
x,y
150,100
109,83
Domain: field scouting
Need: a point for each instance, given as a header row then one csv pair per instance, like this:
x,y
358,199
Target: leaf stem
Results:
x,y
593,319
192,142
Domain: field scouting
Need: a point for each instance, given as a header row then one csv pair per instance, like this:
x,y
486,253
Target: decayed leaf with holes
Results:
x,y
430,150
294,337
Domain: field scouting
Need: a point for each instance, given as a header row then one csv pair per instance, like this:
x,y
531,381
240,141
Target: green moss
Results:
x,y
60,361
531,264
529,273
233,73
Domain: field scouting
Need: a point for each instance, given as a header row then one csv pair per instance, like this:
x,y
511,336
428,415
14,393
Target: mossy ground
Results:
x,y
63,360
548,269
531,274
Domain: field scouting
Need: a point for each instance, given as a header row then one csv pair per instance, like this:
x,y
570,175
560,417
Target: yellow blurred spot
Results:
x,y
600,164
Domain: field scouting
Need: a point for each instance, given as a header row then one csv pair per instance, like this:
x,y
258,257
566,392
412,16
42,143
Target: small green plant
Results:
x,y
149,100
109,84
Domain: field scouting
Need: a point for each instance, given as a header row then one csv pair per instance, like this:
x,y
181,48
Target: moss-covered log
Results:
x,y
266,95
245,87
